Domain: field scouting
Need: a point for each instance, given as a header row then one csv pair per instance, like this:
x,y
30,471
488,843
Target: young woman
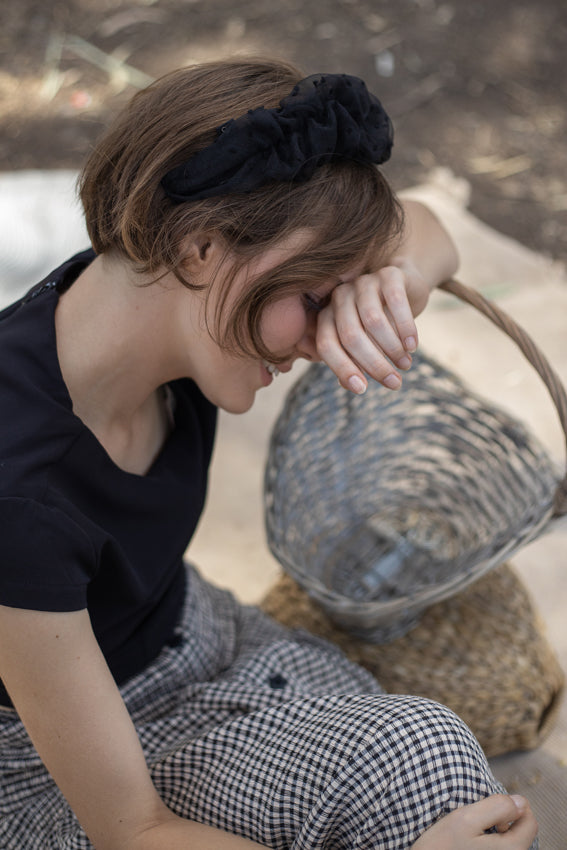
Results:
x,y
141,706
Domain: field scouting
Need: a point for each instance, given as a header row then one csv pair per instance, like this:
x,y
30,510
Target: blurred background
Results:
x,y
479,87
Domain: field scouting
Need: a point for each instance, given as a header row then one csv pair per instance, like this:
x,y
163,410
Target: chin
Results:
x,y
235,405
238,408
236,397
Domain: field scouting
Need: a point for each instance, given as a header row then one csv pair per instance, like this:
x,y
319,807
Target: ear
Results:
x,y
199,252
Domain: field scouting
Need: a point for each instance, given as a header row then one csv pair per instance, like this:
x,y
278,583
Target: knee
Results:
x,y
406,762
425,725
418,761
424,746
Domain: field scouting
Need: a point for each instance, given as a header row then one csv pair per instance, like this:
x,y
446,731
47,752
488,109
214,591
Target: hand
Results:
x,y
369,326
464,829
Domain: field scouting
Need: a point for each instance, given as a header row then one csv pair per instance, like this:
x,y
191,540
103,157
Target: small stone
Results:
x,y
385,63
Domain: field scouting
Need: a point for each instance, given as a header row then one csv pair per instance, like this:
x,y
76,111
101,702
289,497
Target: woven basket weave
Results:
x,y
482,652
383,504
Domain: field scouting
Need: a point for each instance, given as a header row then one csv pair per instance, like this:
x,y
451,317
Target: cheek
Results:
x,y
284,324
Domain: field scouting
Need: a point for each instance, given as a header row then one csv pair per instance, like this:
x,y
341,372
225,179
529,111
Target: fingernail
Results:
x,y
519,802
404,362
356,384
393,382
410,343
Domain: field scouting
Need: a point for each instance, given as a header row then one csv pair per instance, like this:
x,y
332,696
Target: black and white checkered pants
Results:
x,y
270,734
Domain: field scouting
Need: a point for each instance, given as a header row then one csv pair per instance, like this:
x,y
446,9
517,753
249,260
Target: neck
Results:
x,y
116,340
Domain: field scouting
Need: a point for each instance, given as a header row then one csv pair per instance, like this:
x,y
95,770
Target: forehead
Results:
x,y
289,246
294,245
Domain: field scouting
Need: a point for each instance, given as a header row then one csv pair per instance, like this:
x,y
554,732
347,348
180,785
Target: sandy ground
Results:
x,y
230,546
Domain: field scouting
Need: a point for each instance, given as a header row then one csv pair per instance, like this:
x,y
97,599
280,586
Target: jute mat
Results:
x,y
483,653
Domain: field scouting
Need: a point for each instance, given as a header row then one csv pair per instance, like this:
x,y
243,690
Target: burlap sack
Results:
x,y
483,653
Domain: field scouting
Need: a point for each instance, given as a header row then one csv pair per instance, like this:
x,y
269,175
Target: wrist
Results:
x,y
428,245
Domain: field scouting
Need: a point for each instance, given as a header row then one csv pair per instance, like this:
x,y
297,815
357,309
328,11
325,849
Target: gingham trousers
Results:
x,y
270,734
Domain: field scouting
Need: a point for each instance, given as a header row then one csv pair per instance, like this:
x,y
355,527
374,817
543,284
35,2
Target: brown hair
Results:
x,y
346,206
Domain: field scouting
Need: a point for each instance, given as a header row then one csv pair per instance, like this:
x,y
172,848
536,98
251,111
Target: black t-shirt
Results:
x,y
76,531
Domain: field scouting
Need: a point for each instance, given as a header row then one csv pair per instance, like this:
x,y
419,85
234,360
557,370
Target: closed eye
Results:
x,y
316,303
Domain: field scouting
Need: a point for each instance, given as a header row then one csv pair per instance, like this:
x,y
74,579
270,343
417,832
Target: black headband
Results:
x,y
326,116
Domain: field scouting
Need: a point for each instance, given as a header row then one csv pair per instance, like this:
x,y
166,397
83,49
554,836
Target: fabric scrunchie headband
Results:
x,y
326,117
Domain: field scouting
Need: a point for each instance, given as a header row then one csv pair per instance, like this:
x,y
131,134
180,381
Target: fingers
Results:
x,y
394,288
384,313
511,815
466,828
499,810
369,329
522,832
346,345
332,352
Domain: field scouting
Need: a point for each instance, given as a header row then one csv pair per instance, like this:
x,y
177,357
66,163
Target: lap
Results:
x,y
269,734
342,770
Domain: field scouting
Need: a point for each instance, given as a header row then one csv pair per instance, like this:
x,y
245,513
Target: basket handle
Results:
x,y
532,354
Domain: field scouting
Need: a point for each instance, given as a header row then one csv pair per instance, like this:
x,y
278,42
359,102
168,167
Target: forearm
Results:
x,y
74,713
178,834
369,326
427,244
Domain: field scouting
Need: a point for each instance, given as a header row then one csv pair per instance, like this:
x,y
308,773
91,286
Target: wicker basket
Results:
x,y
383,504
482,652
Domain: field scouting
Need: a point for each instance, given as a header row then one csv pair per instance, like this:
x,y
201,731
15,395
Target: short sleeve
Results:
x,y
46,559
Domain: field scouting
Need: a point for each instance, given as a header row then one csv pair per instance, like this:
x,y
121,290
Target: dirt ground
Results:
x,y
478,86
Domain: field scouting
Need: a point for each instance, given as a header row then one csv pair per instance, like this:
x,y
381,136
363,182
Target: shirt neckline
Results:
x,y
52,287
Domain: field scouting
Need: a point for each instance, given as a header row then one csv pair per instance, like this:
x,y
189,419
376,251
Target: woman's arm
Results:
x,y
66,697
59,681
369,327
426,245
465,828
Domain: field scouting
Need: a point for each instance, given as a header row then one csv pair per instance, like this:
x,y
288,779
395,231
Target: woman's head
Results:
x,y
346,207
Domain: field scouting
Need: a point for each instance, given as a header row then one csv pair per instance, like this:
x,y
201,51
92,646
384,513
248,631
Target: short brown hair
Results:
x,y
347,206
